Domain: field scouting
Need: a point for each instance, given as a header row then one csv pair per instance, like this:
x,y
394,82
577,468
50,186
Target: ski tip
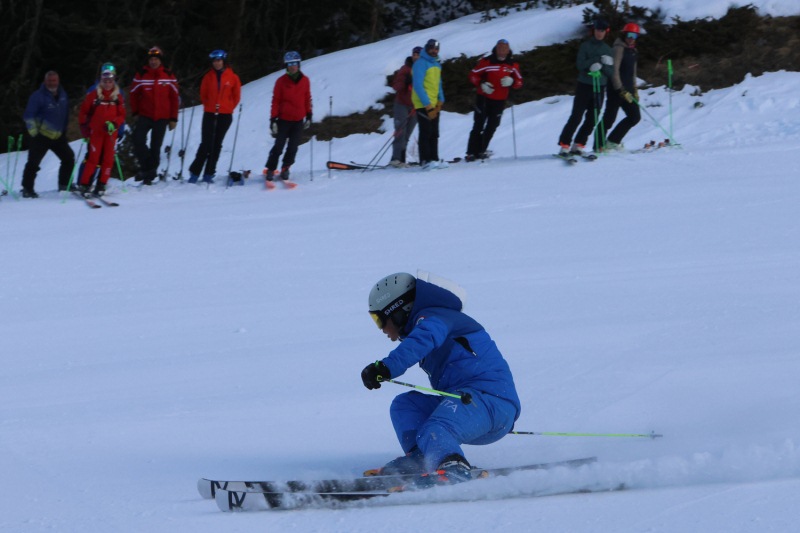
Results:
x,y
206,488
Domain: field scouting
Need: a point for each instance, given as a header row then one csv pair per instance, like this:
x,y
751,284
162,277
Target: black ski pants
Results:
x,y
215,126
632,116
37,149
148,157
486,119
288,130
428,136
584,107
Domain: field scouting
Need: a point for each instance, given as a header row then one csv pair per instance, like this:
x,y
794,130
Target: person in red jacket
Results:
x,y
493,77
101,115
154,98
405,116
220,92
290,115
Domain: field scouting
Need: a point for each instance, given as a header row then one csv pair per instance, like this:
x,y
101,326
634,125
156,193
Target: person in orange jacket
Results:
x,y
101,115
289,116
220,92
493,77
154,98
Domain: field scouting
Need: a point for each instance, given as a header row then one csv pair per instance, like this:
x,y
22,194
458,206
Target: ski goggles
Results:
x,y
377,317
293,64
631,35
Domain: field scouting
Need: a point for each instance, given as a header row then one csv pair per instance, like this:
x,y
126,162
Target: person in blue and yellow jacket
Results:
x,y
46,117
460,359
427,96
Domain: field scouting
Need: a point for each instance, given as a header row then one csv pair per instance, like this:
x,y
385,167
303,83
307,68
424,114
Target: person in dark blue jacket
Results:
x,y
459,357
46,117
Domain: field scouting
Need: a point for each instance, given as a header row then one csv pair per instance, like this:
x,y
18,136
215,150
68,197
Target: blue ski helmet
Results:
x,y
218,54
292,57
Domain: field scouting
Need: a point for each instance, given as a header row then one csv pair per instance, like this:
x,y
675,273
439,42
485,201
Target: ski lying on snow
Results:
x,y
264,501
88,201
208,487
652,146
336,165
104,201
569,159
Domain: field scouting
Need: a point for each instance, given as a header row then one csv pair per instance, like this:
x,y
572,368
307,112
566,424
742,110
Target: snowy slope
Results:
x,y
211,332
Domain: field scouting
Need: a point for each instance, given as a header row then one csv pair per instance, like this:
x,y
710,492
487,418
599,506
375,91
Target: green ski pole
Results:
x,y
119,169
599,139
72,174
651,435
7,178
465,398
111,127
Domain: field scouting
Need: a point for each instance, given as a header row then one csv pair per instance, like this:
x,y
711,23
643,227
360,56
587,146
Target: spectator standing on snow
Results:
x,y
405,116
622,89
101,116
428,97
220,92
154,98
459,357
290,114
594,55
46,117
493,77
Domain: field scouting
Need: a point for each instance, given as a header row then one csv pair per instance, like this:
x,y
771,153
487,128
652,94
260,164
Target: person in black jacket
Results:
x,y
595,65
622,89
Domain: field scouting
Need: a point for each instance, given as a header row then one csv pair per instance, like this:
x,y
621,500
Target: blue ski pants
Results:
x,y
439,425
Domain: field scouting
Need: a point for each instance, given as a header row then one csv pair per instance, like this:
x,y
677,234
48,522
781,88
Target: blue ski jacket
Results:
x,y
47,115
451,347
426,81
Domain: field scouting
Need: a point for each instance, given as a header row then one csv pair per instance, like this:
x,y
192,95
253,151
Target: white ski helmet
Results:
x,y
392,298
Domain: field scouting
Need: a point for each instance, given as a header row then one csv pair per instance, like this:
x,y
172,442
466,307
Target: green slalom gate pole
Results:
x,y
465,398
656,123
669,84
651,435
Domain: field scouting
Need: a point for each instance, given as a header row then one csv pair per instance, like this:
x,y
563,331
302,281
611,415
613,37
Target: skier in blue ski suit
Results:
x,y
459,357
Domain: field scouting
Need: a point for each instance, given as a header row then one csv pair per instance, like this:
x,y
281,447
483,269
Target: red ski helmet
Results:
x,y
631,28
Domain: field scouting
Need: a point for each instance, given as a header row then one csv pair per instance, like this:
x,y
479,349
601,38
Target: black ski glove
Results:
x,y
372,372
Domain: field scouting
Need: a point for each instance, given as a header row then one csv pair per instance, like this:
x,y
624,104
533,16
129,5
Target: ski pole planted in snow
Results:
x,y
465,398
513,131
669,84
74,170
330,141
235,177
651,435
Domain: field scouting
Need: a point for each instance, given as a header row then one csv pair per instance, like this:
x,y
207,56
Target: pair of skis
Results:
x,y
90,202
571,158
352,165
266,495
